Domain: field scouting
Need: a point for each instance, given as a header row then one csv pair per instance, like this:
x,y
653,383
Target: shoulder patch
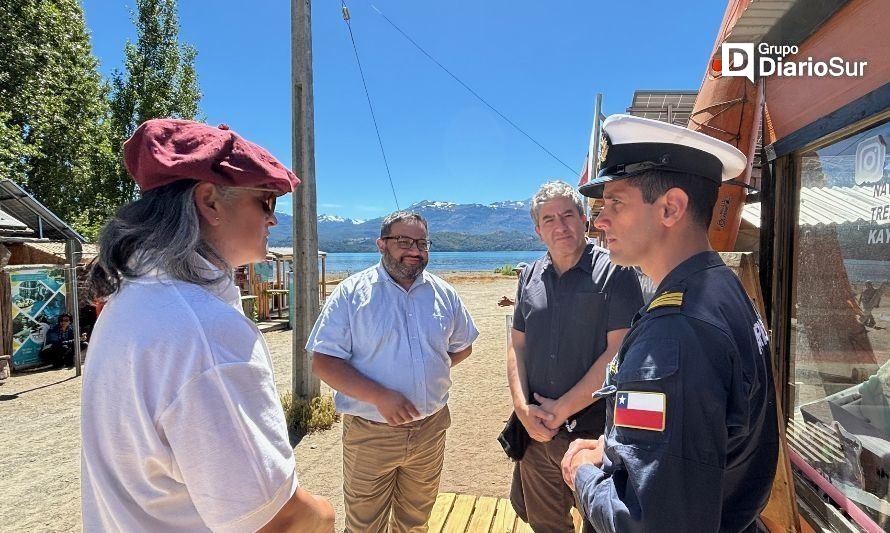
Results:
x,y
666,299
640,410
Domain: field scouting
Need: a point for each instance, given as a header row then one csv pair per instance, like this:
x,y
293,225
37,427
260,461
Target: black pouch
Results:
x,y
591,419
514,438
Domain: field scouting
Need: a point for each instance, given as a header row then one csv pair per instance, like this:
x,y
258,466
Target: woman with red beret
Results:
x,y
181,425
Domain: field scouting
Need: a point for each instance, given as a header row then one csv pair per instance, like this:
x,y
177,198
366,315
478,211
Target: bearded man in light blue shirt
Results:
x,y
386,340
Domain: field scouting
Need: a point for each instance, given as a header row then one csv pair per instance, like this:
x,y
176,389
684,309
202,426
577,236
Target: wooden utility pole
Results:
x,y
305,231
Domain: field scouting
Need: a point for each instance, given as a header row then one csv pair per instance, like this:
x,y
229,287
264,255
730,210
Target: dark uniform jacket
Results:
x,y
691,434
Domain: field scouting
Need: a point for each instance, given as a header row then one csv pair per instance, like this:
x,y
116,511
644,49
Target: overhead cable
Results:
x,y
345,11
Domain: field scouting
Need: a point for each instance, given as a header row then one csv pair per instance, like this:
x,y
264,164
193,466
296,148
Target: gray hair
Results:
x,y
162,227
402,216
551,191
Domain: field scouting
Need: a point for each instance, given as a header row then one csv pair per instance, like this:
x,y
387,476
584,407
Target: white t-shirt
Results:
x,y
181,424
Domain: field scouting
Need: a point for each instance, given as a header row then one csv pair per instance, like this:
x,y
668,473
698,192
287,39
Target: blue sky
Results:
x,y
539,63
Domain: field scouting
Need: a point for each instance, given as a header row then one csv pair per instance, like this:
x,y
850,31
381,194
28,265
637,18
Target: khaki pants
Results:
x,y
391,474
539,494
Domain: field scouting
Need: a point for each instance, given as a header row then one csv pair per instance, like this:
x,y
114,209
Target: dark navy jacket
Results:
x,y
701,344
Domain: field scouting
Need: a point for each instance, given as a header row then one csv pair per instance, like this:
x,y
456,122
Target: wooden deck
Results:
x,y
464,513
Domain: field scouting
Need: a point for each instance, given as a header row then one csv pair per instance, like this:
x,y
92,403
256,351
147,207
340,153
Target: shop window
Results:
x,y
840,324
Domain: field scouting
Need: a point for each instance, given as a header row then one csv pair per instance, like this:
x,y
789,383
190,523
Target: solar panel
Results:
x,y
673,107
40,222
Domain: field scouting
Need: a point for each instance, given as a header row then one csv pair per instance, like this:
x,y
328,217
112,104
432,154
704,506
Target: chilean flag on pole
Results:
x,y
640,410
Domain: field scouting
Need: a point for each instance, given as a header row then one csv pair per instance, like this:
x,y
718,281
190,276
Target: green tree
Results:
x,y
53,129
159,80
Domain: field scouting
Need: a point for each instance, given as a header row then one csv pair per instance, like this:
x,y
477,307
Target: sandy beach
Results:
x,y
40,435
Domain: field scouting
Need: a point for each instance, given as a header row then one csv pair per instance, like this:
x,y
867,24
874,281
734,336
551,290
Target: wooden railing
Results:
x,y
271,298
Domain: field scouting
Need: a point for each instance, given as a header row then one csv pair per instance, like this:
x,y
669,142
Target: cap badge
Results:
x,y
604,149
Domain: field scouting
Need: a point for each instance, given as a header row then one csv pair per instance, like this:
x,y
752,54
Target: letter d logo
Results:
x,y
737,59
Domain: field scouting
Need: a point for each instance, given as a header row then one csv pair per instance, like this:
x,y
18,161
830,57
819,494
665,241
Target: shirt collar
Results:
x,y
381,275
693,265
585,262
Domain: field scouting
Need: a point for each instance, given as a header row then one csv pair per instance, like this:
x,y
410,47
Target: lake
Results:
x,y
439,261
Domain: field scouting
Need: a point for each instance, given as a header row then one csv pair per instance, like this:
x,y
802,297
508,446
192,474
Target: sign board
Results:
x,y
38,298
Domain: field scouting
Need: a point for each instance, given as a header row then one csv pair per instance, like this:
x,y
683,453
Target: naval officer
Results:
x,y
691,437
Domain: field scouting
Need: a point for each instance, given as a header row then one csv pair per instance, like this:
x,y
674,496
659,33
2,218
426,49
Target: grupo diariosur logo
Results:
x,y
740,60
870,156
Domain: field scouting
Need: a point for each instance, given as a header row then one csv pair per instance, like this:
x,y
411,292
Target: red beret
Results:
x,y
165,150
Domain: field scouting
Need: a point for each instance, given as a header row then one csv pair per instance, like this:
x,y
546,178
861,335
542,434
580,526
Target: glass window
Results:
x,y
840,328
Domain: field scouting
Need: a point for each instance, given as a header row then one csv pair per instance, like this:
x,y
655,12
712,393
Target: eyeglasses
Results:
x,y
405,243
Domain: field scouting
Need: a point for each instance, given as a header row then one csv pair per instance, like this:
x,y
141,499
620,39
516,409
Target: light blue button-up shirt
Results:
x,y
398,338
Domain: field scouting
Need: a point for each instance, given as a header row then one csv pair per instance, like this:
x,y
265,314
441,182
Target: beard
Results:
x,y
399,270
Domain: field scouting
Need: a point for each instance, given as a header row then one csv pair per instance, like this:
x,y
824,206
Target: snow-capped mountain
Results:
x,y
503,225
336,219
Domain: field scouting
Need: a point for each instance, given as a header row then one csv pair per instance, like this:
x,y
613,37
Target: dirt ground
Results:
x,y
40,435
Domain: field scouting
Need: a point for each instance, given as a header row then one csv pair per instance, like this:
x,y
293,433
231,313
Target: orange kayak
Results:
x,y
729,109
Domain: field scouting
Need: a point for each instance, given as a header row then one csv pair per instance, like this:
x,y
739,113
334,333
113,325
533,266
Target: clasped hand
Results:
x,y
580,452
542,421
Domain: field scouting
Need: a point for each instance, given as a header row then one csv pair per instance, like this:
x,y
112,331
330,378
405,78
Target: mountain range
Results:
x,y
453,228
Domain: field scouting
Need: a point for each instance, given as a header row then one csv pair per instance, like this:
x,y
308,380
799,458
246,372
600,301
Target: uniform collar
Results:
x,y
696,263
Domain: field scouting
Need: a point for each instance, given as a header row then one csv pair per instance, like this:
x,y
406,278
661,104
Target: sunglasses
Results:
x,y
266,202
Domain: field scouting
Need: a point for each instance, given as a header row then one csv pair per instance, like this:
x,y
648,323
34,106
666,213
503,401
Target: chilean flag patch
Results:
x,y
640,410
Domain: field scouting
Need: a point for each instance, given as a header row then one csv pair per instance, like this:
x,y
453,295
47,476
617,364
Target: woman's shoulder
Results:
x,y
175,303
184,314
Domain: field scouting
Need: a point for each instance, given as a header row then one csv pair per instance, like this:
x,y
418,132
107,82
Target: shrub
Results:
x,y
506,270
311,415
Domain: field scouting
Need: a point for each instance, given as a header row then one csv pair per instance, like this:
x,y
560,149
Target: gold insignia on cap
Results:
x,y
666,299
604,150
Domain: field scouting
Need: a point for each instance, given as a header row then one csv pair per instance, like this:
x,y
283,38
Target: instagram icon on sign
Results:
x,y
870,157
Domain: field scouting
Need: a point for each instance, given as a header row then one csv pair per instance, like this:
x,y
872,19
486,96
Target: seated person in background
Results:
x,y
59,348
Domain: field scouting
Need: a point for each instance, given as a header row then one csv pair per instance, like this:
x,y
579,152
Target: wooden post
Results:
x,y
324,280
73,254
305,231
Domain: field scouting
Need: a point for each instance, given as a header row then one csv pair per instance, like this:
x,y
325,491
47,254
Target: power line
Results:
x,y
346,18
474,93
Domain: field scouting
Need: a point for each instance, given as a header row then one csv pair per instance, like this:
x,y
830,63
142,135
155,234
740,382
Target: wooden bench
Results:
x,y
464,513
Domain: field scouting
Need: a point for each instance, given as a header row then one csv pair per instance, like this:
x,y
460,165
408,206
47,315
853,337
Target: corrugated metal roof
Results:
x,y
829,205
